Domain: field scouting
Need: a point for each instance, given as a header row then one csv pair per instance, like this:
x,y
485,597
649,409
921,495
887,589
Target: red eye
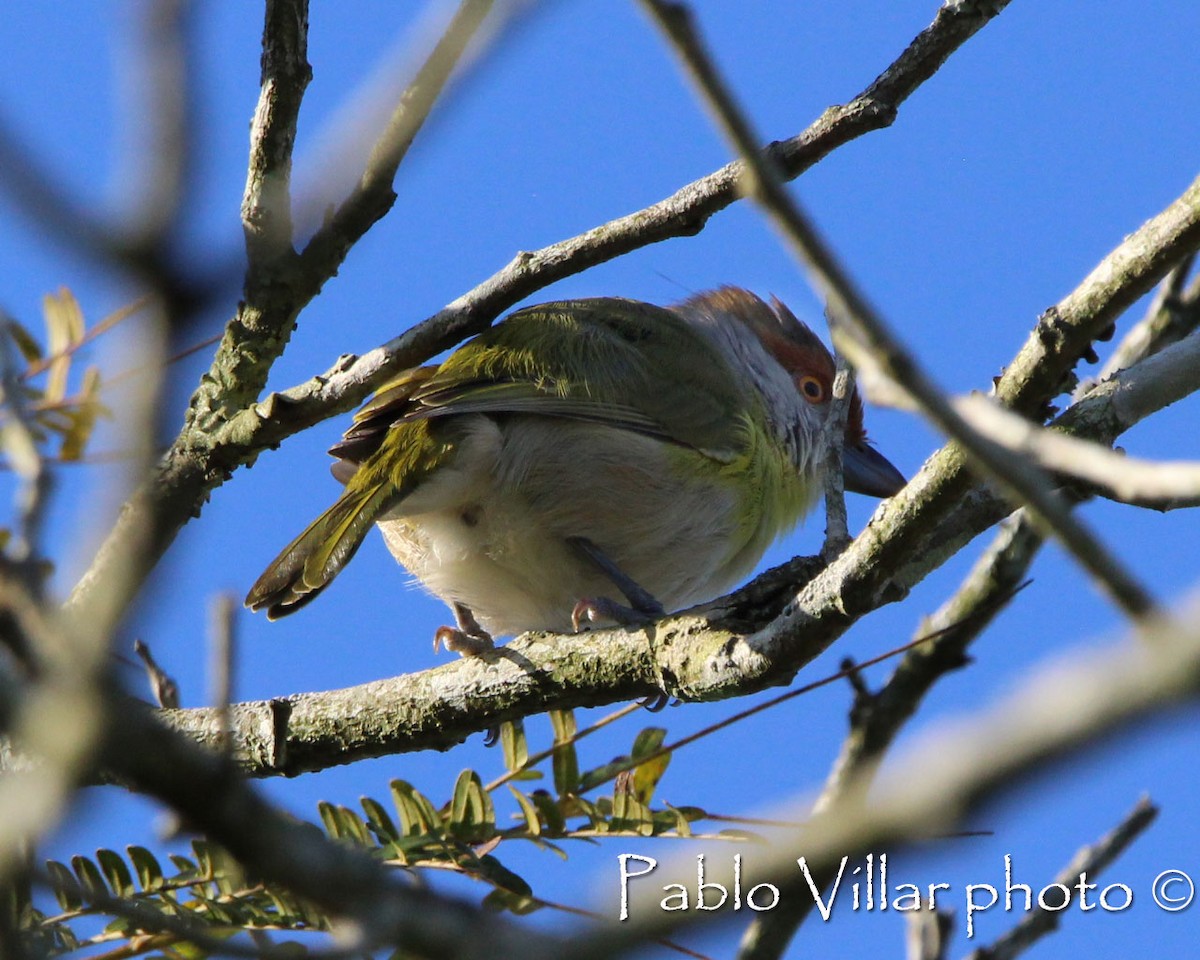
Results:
x,y
812,388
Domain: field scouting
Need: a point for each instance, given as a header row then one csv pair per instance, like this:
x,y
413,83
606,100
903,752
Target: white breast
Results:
x,y
489,530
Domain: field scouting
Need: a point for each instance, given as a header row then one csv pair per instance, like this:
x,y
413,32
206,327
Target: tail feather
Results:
x,y
308,564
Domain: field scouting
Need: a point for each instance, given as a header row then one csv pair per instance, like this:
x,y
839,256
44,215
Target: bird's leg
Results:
x,y
468,640
642,606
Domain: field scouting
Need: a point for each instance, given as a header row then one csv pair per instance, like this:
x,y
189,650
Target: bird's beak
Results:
x,y
868,471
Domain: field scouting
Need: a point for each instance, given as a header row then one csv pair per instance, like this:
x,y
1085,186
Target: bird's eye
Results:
x,y
812,388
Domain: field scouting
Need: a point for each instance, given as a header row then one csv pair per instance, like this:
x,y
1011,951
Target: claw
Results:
x,y
591,609
464,644
642,609
469,639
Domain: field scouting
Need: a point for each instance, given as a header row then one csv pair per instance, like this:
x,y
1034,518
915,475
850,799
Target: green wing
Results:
x,y
535,362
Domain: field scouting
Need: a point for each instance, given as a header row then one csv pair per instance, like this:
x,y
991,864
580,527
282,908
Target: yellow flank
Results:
x,y
773,496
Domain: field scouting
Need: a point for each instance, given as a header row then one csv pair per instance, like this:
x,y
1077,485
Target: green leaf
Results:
x,y
498,875
379,820
514,744
565,760
597,813
647,775
148,871
417,815
342,823
90,877
602,774
65,886
83,418
647,741
187,869
563,723
679,820
460,802
533,823
204,861
120,880
471,811
547,806
329,819
499,900
64,327
30,349
630,815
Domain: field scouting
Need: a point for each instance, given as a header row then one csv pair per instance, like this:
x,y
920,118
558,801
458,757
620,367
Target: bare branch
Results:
x,y
1173,314
267,201
987,589
684,213
374,196
876,719
279,283
1111,407
1161,485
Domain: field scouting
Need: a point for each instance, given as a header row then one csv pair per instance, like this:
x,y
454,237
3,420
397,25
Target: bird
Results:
x,y
582,449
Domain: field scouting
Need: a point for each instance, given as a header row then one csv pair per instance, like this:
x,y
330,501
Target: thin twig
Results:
x,y
534,759
162,684
114,318
830,445
617,768
374,195
176,928
223,653
876,720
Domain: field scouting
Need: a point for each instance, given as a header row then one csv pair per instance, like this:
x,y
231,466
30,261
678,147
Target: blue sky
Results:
x,y
1040,145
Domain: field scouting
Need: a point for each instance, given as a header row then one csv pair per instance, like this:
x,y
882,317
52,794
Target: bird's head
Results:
x,y
811,368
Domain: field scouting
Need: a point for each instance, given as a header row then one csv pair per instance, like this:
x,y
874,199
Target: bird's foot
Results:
x,y
643,608
468,639
464,644
593,609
